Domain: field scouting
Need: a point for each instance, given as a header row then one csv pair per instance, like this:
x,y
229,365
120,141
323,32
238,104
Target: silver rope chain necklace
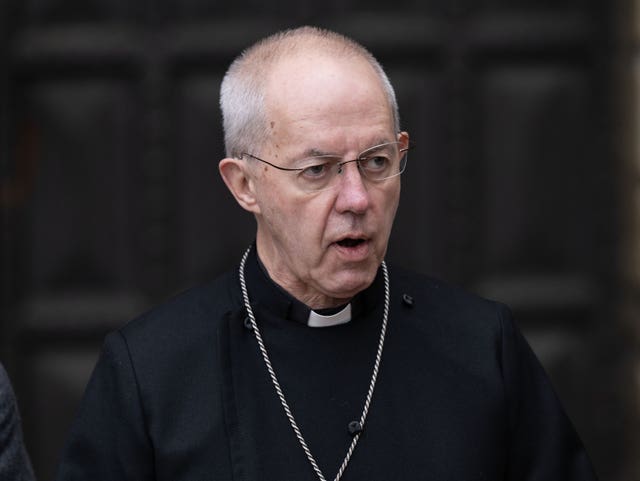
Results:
x,y
355,427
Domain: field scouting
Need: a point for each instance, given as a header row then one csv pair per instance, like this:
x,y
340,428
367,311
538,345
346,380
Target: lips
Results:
x,y
353,248
350,242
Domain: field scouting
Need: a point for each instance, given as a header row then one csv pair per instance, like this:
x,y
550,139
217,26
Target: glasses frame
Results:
x,y
341,164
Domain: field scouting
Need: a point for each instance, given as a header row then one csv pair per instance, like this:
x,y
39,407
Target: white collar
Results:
x,y
341,317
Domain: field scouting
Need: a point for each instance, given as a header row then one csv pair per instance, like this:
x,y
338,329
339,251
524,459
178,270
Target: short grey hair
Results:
x,y
242,92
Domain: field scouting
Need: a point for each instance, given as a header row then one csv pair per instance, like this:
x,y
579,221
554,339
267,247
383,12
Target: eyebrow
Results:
x,y
314,152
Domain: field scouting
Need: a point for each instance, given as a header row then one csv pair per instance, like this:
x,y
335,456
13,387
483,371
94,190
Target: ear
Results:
x,y
403,138
239,181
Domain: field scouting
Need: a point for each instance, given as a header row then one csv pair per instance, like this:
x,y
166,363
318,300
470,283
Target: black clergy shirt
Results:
x,y
182,393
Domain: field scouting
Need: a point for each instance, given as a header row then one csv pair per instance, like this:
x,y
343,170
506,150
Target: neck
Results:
x,y
310,297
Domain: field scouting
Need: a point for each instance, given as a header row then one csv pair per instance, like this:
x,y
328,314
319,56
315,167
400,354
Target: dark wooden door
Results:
x,y
110,137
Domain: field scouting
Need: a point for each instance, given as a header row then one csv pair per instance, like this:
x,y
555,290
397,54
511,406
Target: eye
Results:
x,y
375,163
316,171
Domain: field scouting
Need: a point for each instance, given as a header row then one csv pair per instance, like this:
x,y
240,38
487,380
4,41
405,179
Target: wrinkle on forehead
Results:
x,y
315,151
317,79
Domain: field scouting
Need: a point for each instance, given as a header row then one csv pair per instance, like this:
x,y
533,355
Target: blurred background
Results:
x,y
524,186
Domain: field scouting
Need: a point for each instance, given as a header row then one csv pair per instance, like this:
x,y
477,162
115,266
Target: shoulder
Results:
x,y
8,408
14,461
451,325
446,309
4,379
7,400
183,321
434,293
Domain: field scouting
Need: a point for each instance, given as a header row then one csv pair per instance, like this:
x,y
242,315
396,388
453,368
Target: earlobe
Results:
x,y
239,181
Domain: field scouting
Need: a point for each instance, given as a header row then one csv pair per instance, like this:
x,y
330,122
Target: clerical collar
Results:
x,y
319,320
269,295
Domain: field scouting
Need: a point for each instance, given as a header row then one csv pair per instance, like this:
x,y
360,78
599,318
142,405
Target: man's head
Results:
x,y
303,93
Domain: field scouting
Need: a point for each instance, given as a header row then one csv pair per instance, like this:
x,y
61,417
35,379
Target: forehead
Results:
x,y
324,98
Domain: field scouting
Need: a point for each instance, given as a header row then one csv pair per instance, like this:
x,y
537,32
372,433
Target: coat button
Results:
x,y
355,428
407,300
247,323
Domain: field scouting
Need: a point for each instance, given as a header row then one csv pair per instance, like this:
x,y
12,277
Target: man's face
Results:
x,y
324,247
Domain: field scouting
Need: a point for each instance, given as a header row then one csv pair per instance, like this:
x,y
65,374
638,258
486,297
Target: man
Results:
x,y
314,360
14,461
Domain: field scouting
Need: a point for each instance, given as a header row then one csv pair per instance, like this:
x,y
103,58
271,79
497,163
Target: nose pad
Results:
x,y
342,165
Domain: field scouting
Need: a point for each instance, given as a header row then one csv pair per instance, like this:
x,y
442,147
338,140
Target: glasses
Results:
x,y
319,172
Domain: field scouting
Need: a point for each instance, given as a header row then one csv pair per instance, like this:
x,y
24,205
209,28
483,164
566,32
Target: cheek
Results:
x,y
296,220
393,207
308,221
388,201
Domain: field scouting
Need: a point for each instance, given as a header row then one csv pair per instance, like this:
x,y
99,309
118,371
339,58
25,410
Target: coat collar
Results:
x,y
267,294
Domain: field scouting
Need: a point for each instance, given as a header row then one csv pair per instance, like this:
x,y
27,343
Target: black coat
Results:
x,y
14,460
182,393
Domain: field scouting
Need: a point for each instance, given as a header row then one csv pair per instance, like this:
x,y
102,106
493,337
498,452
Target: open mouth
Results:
x,y
348,242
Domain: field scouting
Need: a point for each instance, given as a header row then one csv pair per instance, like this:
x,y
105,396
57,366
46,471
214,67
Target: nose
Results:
x,y
353,195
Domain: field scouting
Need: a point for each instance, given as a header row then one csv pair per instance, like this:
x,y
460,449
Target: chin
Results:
x,y
350,283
